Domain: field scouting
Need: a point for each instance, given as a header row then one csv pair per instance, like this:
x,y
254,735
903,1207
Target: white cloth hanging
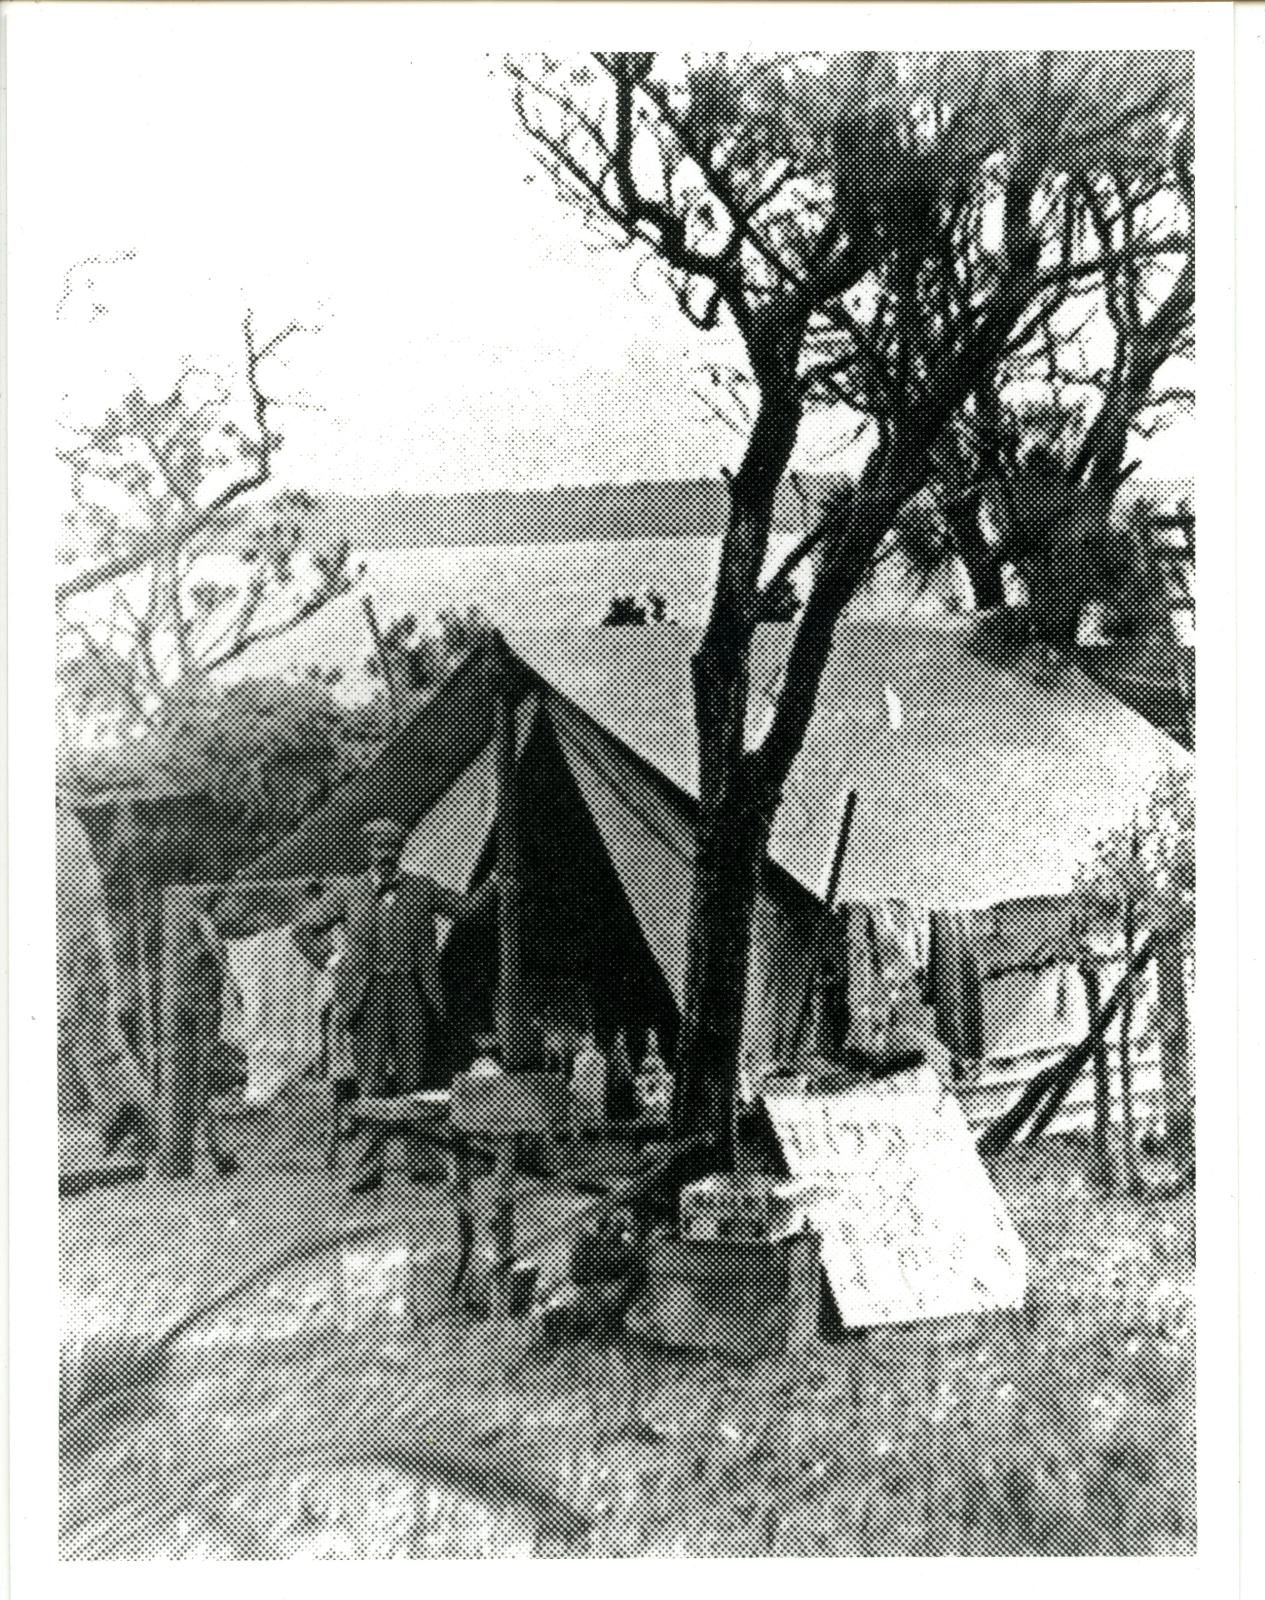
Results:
x,y
902,935
275,1015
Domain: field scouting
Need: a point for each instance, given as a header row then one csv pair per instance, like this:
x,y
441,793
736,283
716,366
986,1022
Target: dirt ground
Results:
x,y
307,1416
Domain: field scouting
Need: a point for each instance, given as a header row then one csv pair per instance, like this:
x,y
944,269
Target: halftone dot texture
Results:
x,y
257,1363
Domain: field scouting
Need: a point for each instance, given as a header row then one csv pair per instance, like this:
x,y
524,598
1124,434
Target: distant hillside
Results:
x,y
616,511
672,510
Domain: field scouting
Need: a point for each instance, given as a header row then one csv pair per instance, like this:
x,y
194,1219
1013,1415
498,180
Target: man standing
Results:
x,y
388,993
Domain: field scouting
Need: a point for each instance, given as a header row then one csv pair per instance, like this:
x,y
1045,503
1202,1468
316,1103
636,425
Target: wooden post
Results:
x,y
149,932
461,1187
139,995
178,1081
502,1223
1102,1075
1128,1121
511,1006
945,965
384,662
511,998
1174,1041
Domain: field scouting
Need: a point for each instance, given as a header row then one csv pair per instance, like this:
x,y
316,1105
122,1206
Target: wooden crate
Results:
x,y
744,1298
744,1206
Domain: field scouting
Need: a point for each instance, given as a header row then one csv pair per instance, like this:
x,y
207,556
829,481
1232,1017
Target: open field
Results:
x,y
303,1417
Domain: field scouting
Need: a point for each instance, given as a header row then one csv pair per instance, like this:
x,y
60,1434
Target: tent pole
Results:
x,y
823,923
384,663
511,1021
178,1089
141,891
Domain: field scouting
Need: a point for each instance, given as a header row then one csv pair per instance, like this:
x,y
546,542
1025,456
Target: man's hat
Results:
x,y
383,830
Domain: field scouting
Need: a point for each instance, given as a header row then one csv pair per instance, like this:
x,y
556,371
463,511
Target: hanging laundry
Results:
x,y
954,985
274,1009
1036,930
1027,1012
901,934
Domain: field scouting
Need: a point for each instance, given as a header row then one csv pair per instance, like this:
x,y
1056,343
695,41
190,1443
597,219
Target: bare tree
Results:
x,y
159,487
883,233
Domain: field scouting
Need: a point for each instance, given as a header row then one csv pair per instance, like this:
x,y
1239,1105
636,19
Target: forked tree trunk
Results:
x,y
740,790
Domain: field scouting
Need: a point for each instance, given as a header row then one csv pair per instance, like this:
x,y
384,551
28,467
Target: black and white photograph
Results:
x,y
608,666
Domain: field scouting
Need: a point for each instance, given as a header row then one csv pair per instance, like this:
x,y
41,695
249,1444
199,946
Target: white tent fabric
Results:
x,y
987,788
1029,1011
1003,774
449,841
1026,1012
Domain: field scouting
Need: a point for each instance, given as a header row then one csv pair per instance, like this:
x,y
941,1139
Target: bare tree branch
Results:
x,y
308,608
257,449
156,483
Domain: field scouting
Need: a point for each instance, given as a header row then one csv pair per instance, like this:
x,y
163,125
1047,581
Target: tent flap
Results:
x,y
654,876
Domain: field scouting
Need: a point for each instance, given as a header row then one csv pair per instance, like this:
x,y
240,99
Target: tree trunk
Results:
x,y
740,790
730,852
736,810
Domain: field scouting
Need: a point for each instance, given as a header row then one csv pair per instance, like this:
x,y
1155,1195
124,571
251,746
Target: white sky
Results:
x,y
342,165
339,168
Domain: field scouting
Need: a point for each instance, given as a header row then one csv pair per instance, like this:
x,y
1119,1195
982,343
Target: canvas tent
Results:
x,y
985,774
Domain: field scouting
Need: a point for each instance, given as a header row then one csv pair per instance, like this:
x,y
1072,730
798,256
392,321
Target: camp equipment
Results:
x,y
726,1206
653,1083
747,1299
588,1088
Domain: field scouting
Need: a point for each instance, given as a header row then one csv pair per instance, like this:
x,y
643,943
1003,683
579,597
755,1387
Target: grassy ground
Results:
x,y
305,1417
